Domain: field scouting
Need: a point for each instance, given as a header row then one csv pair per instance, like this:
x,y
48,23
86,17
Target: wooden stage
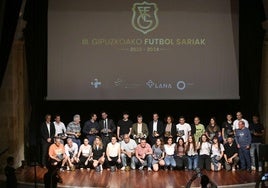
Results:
x,y
136,178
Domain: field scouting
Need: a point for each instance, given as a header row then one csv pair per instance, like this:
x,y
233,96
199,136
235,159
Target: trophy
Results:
x,y
93,130
155,134
167,134
180,133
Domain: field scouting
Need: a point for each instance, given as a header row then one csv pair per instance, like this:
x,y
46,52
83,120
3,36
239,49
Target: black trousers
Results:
x,y
204,162
44,153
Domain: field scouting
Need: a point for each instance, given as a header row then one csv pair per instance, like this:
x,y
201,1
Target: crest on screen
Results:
x,y
144,17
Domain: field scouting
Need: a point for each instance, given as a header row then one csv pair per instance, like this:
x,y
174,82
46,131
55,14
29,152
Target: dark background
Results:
x,y
251,37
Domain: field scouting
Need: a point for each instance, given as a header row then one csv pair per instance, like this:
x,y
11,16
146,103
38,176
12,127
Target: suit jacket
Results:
x,y
44,132
135,129
111,125
160,128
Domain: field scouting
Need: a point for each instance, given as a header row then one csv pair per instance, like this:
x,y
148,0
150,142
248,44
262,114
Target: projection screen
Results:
x,y
142,50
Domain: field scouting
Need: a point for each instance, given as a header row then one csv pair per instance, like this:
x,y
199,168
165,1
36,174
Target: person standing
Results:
x,y
124,126
170,129
139,130
243,140
47,133
155,128
199,129
107,128
257,131
227,128
239,117
60,129
183,129
10,172
91,128
74,130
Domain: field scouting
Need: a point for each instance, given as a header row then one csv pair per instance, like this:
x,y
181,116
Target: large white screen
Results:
x,y
128,50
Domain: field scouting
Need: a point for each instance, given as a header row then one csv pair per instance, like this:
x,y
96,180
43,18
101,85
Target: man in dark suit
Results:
x,y
107,128
47,133
156,129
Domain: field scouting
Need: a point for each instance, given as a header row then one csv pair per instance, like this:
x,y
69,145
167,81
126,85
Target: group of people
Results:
x,y
127,145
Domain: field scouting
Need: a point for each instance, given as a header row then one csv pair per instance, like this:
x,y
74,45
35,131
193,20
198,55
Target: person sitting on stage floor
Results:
x,y
74,130
113,154
217,151
71,150
128,147
85,155
230,154
191,151
204,147
57,154
139,130
180,156
98,154
158,154
143,156
170,151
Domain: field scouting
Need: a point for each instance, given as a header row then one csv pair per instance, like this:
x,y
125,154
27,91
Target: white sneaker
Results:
x,y
101,169
88,169
141,168
123,168
253,168
233,169
149,169
68,168
260,169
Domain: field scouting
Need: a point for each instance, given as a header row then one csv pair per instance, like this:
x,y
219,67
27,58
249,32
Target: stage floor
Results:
x,y
137,178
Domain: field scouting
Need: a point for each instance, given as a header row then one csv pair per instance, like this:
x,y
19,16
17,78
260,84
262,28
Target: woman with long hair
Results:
x,y
217,151
192,154
170,128
85,155
158,154
204,147
180,156
98,153
170,151
212,129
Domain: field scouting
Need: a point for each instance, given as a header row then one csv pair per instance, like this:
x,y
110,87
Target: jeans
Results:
x,y
124,159
244,155
147,162
192,162
255,147
169,160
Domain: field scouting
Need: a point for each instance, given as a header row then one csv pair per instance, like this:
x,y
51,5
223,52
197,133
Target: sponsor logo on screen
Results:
x,y
144,17
95,83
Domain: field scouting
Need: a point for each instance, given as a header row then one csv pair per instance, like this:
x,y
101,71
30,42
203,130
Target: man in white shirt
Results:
x,y
128,147
183,129
71,150
60,128
239,117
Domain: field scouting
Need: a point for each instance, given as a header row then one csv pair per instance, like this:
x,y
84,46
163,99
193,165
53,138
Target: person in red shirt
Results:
x,y
143,156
